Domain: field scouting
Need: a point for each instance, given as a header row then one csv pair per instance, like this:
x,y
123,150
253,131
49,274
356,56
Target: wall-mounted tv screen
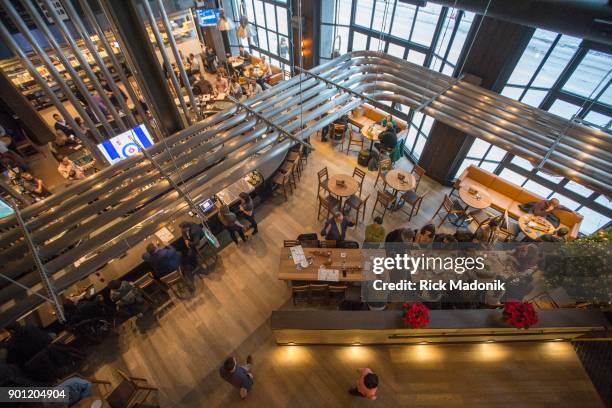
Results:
x,y
208,17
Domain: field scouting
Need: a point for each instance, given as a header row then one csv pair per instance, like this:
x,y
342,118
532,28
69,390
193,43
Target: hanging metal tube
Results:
x,y
166,60
9,41
44,278
78,25
75,75
175,51
93,22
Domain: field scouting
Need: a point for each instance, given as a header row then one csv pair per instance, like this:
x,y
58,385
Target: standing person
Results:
x,y
334,228
375,232
60,124
247,210
194,64
163,260
192,233
239,376
230,222
210,58
367,384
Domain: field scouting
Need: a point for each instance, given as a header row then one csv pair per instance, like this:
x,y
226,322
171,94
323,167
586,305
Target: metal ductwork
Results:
x,y
94,221
588,19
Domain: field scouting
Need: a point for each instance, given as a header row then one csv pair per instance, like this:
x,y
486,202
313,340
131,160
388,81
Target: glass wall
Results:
x,y
432,36
570,78
271,23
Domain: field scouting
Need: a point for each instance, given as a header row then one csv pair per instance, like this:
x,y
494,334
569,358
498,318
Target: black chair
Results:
x,y
311,236
348,244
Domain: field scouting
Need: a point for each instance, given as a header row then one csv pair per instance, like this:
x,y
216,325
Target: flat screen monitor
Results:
x,y
208,17
207,205
5,209
125,144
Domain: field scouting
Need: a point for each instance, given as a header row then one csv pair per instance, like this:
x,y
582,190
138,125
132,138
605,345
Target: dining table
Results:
x,y
475,197
534,226
342,186
371,132
236,61
400,181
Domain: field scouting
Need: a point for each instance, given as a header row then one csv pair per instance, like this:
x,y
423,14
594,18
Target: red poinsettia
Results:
x,y
520,314
416,315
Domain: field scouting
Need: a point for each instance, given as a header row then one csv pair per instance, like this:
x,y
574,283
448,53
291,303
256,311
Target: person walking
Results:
x,y
239,376
247,210
367,384
335,227
230,222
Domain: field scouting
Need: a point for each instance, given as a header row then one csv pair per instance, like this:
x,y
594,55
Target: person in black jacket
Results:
x,y
387,138
335,228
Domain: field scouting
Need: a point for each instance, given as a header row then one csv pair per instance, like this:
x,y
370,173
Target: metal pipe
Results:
x,y
166,61
10,42
78,25
44,278
93,22
42,27
175,51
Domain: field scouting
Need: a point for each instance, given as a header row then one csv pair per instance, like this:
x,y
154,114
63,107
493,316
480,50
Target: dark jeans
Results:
x,y
233,229
355,392
251,219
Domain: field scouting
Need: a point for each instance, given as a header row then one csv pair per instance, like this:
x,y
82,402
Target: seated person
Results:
x,y
387,138
163,260
126,297
560,235
25,342
194,64
389,119
545,208
526,258
69,170
244,54
201,86
221,85
400,235
375,232
253,89
79,308
426,234
265,67
78,389
236,90
34,186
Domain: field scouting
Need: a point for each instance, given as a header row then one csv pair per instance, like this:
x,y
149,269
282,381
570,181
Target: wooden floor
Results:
x,y
230,315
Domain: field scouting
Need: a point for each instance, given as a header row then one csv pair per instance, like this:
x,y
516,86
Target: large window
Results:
x,y
270,20
432,36
572,79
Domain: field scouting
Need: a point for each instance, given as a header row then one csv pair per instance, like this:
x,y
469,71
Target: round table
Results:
x,y
534,226
392,179
236,61
474,197
371,133
347,189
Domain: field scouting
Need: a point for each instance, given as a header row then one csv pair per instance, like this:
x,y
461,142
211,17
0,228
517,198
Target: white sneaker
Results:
x,y
243,393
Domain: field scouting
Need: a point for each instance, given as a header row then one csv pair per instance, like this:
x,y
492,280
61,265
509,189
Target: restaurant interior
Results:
x,y
190,183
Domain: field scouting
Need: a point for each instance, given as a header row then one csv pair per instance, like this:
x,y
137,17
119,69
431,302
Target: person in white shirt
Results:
x,y
254,89
221,85
69,170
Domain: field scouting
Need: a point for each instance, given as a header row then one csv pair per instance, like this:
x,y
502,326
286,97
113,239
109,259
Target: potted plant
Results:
x,y
521,315
416,315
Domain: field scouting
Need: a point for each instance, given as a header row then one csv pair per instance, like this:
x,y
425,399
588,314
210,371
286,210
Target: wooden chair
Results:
x,y
414,200
288,243
337,291
300,291
358,205
130,392
338,134
327,243
446,209
282,180
385,199
148,281
383,167
327,203
355,139
309,243
359,175
309,236
289,167
418,173
509,229
318,290
480,218
173,280
323,177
